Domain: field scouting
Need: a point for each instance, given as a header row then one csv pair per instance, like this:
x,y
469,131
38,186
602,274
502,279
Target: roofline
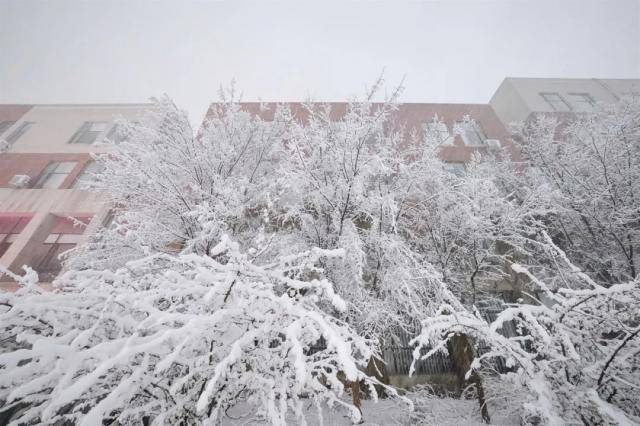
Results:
x,y
79,105
347,102
574,78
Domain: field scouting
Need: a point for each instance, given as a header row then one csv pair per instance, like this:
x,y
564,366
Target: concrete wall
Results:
x,y
517,98
55,125
13,112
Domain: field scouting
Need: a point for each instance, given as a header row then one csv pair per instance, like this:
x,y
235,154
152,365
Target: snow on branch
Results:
x,y
178,338
576,350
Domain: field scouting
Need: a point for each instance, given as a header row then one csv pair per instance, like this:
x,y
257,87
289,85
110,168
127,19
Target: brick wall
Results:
x,y
412,117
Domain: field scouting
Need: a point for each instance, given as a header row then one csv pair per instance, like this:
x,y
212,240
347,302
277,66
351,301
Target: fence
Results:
x,y
398,356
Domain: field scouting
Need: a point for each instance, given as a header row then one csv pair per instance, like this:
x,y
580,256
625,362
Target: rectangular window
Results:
x,y
85,178
581,102
47,262
472,134
65,235
556,102
454,168
10,228
21,130
4,125
439,131
55,174
119,133
89,132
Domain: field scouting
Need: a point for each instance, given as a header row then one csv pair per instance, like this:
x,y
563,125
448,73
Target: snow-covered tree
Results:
x,y
577,349
347,188
159,176
590,168
178,338
470,225
194,300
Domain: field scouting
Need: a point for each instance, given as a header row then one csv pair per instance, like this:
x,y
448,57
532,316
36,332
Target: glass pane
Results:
x,y
50,264
113,133
54,180
87,175
51,167
83,128
4,125
455,168
581,101
88,137
65,166
21,130
555,101
98,126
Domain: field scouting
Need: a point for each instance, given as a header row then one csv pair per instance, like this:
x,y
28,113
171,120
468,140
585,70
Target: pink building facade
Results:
x,y
46,154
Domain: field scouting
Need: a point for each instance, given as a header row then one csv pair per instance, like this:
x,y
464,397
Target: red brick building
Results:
x,y
46,151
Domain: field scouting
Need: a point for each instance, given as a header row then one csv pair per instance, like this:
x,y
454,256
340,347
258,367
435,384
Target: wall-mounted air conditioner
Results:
x,y
19,181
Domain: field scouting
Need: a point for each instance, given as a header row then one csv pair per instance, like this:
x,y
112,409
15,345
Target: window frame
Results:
x,y
440,128
83,177
5,126
19,131
51,257
587,99
561,99
456,168
85,129
48,172
464,126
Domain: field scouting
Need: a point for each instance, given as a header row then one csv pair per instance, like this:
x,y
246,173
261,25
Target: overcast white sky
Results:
x,y
449,51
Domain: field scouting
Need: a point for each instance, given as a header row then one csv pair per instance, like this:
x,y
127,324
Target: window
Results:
x,y
472,134
10,228
438,131
55,174
581,102
455,168
114,134
85,178
121,132
48,263
4,125
89,132
556,102
21,130
65,235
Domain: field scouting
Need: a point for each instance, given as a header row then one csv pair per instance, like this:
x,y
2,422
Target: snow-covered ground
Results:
x,y
429,411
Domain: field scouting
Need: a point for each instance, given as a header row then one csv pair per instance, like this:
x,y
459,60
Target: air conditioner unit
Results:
x,y
494,144
19,181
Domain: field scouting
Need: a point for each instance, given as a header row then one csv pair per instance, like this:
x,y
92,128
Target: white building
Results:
x,y
517,98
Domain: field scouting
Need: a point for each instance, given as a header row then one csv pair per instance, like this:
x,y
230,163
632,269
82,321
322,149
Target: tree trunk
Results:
x,y
461,352
355,395
377,368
